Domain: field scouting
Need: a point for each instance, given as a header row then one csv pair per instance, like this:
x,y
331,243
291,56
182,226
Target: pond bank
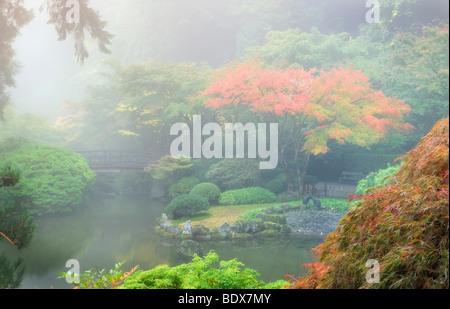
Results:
x,y
271,222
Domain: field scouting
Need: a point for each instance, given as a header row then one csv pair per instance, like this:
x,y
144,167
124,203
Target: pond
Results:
x,y
109,231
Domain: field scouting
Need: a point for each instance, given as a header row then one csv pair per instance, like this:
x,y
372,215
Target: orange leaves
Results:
x,y
262,90
336,105
1,234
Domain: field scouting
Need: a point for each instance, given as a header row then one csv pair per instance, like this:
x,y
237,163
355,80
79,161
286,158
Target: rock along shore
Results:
x,y
286,220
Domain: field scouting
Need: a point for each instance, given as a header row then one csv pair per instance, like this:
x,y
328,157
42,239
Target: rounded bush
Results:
x,y
183,186
186,205
232,174
277,185
252,195
54,179
207,190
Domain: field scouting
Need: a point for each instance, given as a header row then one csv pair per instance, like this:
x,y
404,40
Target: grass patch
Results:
x,y
217,215
228,214
196,217
335,204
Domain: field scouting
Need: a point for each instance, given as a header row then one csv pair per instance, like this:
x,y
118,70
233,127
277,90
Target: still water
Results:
x,y
109,231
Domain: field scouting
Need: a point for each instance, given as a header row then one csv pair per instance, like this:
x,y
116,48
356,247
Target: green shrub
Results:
x,y
54,179
335,204
207,190
187,205
170,169
183,186
377,179
231,174
201,273
277,185
252,195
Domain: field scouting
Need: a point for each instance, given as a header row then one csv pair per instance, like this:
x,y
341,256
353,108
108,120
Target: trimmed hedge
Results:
x,y
252,195
187,205
183,186
277,185
207,190
233,174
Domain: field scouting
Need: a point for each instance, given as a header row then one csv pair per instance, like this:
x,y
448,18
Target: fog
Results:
x,y
130,126
199,31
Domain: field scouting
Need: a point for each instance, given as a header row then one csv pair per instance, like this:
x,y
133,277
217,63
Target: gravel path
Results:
x,y
313,223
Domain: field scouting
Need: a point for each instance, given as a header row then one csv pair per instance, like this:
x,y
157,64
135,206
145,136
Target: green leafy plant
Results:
x,y
251,195
187,205
183,186
231,174
9,174
207,190
93,279
169,168
54,179
278,184
335,204
376,179
201,273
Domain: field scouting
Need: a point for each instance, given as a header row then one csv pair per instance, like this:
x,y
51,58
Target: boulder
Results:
x,y
224,229
280,219
199,230
269,210
187,229
188,248
167,226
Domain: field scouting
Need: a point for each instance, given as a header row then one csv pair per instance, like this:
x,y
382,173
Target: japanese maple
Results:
x,y
311,108
403,225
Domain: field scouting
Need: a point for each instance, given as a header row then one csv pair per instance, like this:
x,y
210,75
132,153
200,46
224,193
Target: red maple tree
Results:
x,y
310,108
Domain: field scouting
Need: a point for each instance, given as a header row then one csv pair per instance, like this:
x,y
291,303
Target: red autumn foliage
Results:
x,y
404,226
339,104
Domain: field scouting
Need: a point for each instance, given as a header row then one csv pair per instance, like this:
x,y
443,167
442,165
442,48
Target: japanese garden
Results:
x,y
194,144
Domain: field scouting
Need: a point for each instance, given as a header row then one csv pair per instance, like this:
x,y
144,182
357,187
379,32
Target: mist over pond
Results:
x,y
107,231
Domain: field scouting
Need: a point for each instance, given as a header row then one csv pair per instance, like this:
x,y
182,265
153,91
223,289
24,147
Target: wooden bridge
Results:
x,y
118,160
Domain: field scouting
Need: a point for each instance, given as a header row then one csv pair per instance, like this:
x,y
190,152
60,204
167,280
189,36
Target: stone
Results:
x,y
199,230
173,230
169,228
285,208
188,248
260,216
187,229
285,229
241,226
224,229
255,226
269,210
166,224
234,235
269,234
280,219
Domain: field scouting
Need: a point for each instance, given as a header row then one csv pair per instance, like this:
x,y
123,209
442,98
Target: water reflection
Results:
x,y
121,229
